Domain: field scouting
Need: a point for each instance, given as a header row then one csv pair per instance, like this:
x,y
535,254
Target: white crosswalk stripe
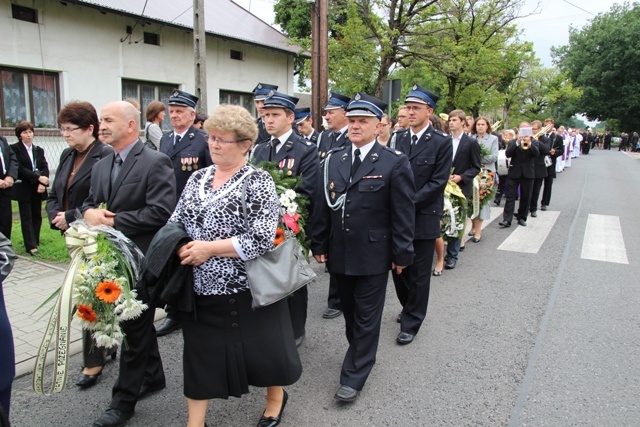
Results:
x,y
529,239
603,240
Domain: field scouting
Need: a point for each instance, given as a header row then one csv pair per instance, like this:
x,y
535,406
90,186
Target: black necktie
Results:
x,y
334,140
356,162
272,152
117,164
177,140
414,142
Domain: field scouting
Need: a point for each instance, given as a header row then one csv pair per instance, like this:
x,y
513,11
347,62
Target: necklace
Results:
x,y
78,161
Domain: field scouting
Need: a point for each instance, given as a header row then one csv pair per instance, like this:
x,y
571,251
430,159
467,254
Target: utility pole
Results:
x,y
319,59
200,55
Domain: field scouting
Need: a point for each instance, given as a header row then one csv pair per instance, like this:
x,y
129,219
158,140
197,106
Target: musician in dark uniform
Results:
x,y
187,148
260,93
364,227
556,150
8,174
540,168
304,123
521,172
430,153
294,156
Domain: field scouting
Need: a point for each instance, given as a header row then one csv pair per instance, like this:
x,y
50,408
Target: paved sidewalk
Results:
x,y
30,283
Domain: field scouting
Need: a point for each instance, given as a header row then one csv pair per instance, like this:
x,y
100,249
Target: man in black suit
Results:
x,y
607,140
304,123
260,93
8,175
188,150
430,152
138,187
337,122
556,150
540,168
465,166
364,230
294,156
521,173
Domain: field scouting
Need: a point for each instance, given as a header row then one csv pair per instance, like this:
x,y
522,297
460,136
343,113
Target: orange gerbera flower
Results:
x,y
108,291
85,312
279,236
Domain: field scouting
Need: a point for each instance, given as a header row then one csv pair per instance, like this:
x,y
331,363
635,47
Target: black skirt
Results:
x,y
228,347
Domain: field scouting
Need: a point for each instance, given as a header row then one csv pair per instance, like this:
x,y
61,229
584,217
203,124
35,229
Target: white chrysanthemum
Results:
x,y
97,269
292,208
83,268
290,194
284,200
91,326
120,281
104,340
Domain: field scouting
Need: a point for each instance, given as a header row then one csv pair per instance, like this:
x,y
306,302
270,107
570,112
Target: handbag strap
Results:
x,y
245,182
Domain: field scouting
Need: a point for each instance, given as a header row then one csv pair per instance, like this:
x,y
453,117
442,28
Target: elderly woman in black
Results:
x,y
79,127
33,171
228,346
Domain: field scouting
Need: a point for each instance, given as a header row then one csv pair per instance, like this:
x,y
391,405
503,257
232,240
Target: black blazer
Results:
x,y
328,142
538,162
521,165
466,163
79,185
24,191
430,162
10,164
143,196
557,143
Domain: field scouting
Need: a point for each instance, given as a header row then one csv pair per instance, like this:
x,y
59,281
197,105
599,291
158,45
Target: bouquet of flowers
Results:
x,y
97,288
486,186
293,206
455,212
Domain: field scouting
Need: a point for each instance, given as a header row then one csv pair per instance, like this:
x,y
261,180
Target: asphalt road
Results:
x,y
511,338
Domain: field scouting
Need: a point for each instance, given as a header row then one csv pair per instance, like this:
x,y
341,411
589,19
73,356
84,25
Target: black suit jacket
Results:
x,y
143,196
79,185
192,148
24,190
521,165
557,143
466,163
375,228
11,165
538,162
430,162
328,141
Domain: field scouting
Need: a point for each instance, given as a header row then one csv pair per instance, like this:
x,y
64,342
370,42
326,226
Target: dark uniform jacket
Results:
x,y
557,143
521,165
79,185
538,162
189,155
328,141
143,196
10,164
26,173
375,226
466,163
431,165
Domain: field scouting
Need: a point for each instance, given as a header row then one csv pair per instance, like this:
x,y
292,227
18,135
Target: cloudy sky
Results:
x,y
548,27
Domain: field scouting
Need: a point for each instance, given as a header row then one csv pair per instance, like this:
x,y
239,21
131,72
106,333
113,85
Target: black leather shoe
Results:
x,y
113,418
533,214
86,381
168,326
331,313
436,272
450,264
543,207
405,338
147,388
497,201
461,249
504,224
274,421
300,340
522,223
346,394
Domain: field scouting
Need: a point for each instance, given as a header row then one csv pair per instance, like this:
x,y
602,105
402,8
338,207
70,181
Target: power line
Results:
x,y
578,7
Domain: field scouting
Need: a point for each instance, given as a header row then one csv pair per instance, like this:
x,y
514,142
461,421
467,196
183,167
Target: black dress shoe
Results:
x,y
34,252
113,418
505,224
461,249
300,340
522,222
273,421
346,394
450,264
86,381
533,214
476,239
331,313
147,388
543,207
436,272
168,326
405,338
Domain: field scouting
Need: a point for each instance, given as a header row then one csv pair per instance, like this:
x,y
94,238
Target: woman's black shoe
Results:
x,y
271,421
86,381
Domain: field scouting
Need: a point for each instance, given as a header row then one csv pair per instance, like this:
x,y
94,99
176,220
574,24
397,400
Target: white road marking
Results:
x,y
529,239
603,240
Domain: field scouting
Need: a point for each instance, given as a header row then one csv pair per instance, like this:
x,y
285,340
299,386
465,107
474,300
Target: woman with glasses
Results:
x,y
384,134
33,172
79,124
227,345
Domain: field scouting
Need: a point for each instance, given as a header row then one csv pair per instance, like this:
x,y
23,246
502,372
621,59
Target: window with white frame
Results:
x,y
29,95
145,92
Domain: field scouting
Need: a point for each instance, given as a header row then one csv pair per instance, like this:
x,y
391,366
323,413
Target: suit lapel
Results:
x,y
461,146
132,159
422,144
344,167
367,164
284,150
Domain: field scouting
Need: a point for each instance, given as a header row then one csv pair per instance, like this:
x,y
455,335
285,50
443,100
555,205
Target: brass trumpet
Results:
x,y
525,144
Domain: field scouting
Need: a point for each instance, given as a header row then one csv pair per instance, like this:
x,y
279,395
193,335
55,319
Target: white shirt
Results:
x,y
419,134
364,150
30,153
4,168
282,138
456,142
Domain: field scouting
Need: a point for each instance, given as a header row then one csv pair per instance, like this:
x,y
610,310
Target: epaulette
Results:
x,y
393,150
439,132
336,149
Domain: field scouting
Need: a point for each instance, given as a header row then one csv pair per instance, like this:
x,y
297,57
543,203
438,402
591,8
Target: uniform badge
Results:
x,y
289,173
290,163
344,157
184,163
281,164
415,87
191,135
259,85
374,157
271,93
357,97
195,163
189,161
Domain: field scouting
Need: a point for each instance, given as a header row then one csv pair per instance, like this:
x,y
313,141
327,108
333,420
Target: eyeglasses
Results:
x,y
216,140
415,108
384,124
68,130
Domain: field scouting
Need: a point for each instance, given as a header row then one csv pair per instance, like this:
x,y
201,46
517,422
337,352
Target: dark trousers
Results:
x,y
139,361
92,355
535,194
362,299
546,192
412,286
333,299
31,221
5,214
298,303
525,198
7,356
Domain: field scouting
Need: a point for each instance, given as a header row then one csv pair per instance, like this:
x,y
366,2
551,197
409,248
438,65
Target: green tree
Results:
x,y
603,60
